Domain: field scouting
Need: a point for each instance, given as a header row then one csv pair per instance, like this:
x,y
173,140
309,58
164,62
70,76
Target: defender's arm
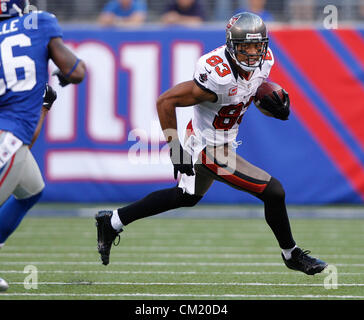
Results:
x,y
71,68
39,126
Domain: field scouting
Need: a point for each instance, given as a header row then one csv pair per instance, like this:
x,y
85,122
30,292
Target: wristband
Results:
x,y
73,68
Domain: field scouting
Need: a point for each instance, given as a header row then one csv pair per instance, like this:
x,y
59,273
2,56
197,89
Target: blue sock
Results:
x,y
12,213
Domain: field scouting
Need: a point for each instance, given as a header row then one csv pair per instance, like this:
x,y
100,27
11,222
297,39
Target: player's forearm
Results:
x,y
167,119
79,73
39,126
71,68
184,94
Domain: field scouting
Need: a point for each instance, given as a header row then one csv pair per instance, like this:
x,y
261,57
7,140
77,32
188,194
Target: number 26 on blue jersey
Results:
x,y
10,64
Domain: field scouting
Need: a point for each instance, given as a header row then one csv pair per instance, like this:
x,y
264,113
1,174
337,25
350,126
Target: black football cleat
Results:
x,y
106,235
301,261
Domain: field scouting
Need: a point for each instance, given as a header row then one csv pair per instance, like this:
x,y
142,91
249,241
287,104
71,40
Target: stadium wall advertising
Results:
x,y
102,141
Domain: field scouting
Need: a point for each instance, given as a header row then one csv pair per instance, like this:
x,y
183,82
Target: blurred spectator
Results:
x,y
360,11
257,7
123,13
223,10
301,10
62,9
186,12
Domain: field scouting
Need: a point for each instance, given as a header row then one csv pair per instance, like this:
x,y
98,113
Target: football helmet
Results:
x,y
246,28
12,8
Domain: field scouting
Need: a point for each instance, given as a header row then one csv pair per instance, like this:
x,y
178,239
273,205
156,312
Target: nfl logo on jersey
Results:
x,y
203,77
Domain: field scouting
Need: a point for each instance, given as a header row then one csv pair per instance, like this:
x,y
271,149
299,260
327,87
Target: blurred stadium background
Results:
x,y
287,11
102,141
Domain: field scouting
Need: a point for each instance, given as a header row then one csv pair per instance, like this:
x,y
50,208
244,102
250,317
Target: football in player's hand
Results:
x,y
272,100
267,88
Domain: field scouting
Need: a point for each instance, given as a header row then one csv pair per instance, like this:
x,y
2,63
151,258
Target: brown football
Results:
x,y
267,88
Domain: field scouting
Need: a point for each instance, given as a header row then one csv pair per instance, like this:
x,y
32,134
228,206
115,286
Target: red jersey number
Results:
x,y
222,70
228,116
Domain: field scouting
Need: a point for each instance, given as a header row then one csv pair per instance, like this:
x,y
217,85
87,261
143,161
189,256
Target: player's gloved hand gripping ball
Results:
x,y
273,98
181,159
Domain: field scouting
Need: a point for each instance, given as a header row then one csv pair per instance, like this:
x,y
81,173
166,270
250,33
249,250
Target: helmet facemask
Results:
x,y
253,60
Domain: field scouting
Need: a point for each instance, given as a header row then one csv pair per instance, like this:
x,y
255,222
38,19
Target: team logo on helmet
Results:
x,y
231,22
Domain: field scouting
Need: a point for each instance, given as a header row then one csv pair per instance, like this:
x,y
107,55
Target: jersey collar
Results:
x,y
232,65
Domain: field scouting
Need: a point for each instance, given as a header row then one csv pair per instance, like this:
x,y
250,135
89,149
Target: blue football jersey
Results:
x,y
24,70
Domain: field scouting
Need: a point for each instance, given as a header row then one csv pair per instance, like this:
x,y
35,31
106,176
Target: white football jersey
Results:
x,y
217,122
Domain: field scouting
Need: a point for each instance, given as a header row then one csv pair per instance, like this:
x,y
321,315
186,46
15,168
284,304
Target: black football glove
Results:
x,y
49,96
276,106
181,159
63,81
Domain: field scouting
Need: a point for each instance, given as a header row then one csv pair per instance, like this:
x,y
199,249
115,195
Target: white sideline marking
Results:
x,y
146,248
131,254
177,255
156,263
182,295
170,272
160,234
162,263
153,272
152,248
242,284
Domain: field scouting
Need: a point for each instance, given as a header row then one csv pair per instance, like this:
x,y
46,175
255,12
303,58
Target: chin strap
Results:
x,y
244,67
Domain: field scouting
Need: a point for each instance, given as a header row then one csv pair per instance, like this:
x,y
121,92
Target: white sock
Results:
x,y
1,245
116,222
287,253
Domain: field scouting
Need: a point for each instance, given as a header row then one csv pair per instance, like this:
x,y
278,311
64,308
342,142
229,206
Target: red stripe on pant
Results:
x,y
7,170
235,180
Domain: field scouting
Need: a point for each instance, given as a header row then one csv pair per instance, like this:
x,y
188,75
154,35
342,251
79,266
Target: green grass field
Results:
x,y
164,258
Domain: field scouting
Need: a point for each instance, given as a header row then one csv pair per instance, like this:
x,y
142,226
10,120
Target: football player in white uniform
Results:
x,y
225,82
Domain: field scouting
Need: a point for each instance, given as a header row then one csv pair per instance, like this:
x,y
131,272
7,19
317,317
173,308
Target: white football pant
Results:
x,y
19,172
